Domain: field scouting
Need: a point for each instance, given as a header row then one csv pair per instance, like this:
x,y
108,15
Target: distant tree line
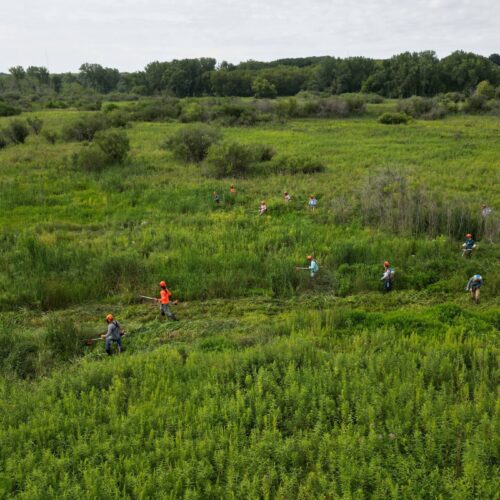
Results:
x,y
403,75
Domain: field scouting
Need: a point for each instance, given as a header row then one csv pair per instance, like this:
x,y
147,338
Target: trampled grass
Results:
x,y
271,385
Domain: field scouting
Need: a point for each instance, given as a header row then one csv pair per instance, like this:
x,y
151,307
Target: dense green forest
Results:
x,y
402,75
272,384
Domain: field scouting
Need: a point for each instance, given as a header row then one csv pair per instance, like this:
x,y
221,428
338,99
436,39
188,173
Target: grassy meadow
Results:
x,y
272,385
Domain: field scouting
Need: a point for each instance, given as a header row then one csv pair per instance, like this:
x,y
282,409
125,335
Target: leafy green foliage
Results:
x,y
17,131
285,164
389,118
272,385
91,158
8,110
263,89
230,159
84,128
36,124
192,142
114,144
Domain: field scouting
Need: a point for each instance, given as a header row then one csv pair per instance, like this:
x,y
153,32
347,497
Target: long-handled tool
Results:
x,y
175,302
101,337
149,298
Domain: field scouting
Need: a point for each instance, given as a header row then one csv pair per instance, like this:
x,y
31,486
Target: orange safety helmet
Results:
x,y
309,257
163,284
109,318
468,235
387,263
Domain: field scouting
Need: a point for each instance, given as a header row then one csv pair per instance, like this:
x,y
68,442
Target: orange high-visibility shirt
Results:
x,y
165,296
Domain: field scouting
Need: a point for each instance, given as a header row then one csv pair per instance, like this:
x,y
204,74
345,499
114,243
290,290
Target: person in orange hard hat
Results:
x,y
313,266
388,276
468,246
114,334
164,302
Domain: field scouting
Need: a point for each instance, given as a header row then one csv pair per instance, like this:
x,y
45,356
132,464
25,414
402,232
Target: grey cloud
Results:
x,y
130,33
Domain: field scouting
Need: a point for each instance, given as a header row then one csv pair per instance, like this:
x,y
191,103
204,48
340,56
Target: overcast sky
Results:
x,y
127,34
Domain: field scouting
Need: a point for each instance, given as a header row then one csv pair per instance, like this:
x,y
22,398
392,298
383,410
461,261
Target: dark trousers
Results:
x,y
166,311
118,343
388,285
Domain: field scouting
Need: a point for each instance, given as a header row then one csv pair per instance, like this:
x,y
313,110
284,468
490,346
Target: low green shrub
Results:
x,y
263,152
64,339
159,110
193,112
192,142
230,159
91,158
85,127
36,124
477,103
284,164
389,118
89,104
8,110
421,107
114,143
50,136
17,131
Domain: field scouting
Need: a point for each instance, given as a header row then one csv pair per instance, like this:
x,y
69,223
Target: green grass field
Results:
x,y
272,385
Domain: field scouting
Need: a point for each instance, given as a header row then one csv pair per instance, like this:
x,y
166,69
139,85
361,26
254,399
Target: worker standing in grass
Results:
x,y
388,276
262,207
164,302
313,202
468,246
474,286
114,334
287,197
313,266
216,198
232,190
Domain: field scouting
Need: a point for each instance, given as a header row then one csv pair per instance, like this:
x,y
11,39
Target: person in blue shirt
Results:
x,y
474,286
313,266
313,202
468,246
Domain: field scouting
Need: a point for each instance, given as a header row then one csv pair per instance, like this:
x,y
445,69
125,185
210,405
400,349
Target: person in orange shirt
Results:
x,y
232,189
164,302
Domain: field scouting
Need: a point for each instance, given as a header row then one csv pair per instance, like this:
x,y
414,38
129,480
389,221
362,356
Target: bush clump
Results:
x,y
91,158
393,118
421,107
114,144
8,110
230,159
477,103
291,165
152,111
109,147
50,136
85,127
17,131
36,124
192,142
